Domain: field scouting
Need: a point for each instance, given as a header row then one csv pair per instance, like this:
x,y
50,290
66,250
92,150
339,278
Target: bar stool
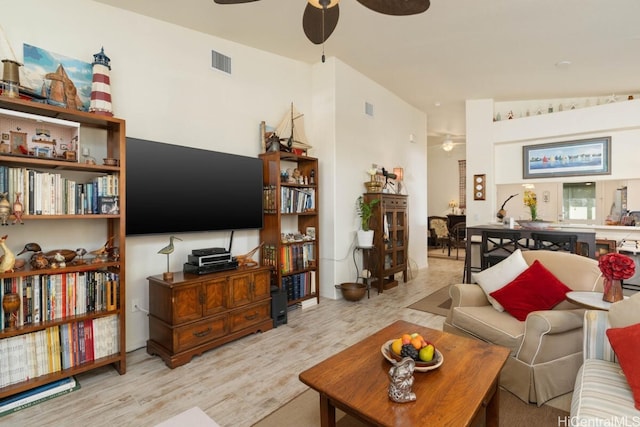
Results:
x,y
555,242
498,245
457,237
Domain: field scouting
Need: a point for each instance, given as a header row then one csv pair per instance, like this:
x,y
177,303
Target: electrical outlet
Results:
x,y
135,303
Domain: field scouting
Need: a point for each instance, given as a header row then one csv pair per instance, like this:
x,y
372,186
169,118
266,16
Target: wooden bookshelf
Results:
x,y
291,224
94,301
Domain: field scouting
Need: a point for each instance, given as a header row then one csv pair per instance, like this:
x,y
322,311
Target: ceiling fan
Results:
x,y
320,17
449,141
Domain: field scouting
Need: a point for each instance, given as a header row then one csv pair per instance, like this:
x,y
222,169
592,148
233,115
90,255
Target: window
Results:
x,y
579,201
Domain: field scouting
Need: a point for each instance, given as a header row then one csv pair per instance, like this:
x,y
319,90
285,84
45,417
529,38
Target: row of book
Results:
x,y
293,257
297,200
25,399
269,200
292,200
27,356
299,285
55,296
48,193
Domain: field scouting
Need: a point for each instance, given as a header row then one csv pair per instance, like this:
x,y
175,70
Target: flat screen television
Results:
x,y
177,189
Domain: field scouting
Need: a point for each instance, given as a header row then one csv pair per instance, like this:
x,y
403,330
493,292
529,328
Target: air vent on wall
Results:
x,y
220,62
368,109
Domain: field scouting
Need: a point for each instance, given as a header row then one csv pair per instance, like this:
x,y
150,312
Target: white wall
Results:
x,y
495,148
442,172
352,141
163,86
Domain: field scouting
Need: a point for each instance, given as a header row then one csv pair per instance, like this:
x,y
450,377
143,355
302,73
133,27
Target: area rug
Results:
x,y
304,411
438,302
194,417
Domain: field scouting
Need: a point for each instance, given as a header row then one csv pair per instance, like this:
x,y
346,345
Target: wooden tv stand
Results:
x,y
195,313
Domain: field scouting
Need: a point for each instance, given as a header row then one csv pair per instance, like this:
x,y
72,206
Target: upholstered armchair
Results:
x,y
546,346
438,231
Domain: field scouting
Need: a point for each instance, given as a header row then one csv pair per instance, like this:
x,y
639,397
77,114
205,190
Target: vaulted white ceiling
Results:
x,y
456,50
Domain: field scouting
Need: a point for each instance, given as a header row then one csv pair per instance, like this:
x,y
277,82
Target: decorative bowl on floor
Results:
x,y
353,291
534,225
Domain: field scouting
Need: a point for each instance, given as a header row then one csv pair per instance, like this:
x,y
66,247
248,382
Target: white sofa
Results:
x,y
602,395
546,348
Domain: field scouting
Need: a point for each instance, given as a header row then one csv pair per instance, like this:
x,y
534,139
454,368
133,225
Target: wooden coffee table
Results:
x,y
458,393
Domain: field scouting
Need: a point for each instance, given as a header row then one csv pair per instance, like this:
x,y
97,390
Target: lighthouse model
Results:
x,y
100,85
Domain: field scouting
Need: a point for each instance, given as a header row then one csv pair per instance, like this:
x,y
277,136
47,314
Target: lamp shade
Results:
x,y
399,172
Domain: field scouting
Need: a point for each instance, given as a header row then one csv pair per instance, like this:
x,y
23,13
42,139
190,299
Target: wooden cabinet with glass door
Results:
x,y
390,240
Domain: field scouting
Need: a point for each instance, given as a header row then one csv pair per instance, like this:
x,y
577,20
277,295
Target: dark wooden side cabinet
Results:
x,y
390,240
195,313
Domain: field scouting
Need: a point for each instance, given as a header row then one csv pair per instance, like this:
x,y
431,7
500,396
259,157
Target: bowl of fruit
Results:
x,y
423,352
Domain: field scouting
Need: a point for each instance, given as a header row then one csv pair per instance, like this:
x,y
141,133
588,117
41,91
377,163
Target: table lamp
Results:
x,y
399,172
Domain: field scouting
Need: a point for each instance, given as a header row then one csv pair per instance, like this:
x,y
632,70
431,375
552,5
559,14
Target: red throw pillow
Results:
x,y
626,344
536,288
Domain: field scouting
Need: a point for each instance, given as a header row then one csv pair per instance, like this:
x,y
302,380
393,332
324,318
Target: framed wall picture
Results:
x,y
479,187
17,140
569,158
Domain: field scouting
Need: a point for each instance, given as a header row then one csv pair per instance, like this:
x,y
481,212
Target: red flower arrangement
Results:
x,y
615,267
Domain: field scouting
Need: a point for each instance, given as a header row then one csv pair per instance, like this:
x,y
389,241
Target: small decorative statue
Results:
x,y
5,209
245,260
18,209
297,177
81,252
102,253
40,260
8,259
291,179
401,375
502,212
168,250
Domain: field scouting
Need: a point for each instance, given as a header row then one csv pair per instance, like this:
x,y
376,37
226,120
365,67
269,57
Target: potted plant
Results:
x,y
365,210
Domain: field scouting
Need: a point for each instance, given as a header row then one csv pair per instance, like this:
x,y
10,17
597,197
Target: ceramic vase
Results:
x,y
365,238
612,290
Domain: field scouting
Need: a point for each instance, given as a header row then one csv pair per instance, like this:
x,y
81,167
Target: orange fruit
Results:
x,y
406,339
396,346
416,343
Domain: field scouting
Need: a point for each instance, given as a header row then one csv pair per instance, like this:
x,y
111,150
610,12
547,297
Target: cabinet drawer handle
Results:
x,y
203,333
251,317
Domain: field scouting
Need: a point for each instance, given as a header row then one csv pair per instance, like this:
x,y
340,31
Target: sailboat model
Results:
x,y
291,130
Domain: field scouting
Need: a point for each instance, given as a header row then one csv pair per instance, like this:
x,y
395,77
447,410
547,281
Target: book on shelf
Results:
x,y
299,285
297,200
54,296
36,395
58,347
297,256
49,193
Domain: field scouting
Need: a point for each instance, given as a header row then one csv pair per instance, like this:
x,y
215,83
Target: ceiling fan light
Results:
x,y
320,4
447,145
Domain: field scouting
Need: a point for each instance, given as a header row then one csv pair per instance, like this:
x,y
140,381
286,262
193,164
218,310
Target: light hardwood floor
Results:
x,y
241,382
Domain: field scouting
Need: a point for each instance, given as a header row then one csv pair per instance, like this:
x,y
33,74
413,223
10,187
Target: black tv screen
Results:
x,y
174,189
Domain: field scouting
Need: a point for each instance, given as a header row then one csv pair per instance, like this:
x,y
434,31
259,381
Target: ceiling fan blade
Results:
x,y
312,22
398,8
233,1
